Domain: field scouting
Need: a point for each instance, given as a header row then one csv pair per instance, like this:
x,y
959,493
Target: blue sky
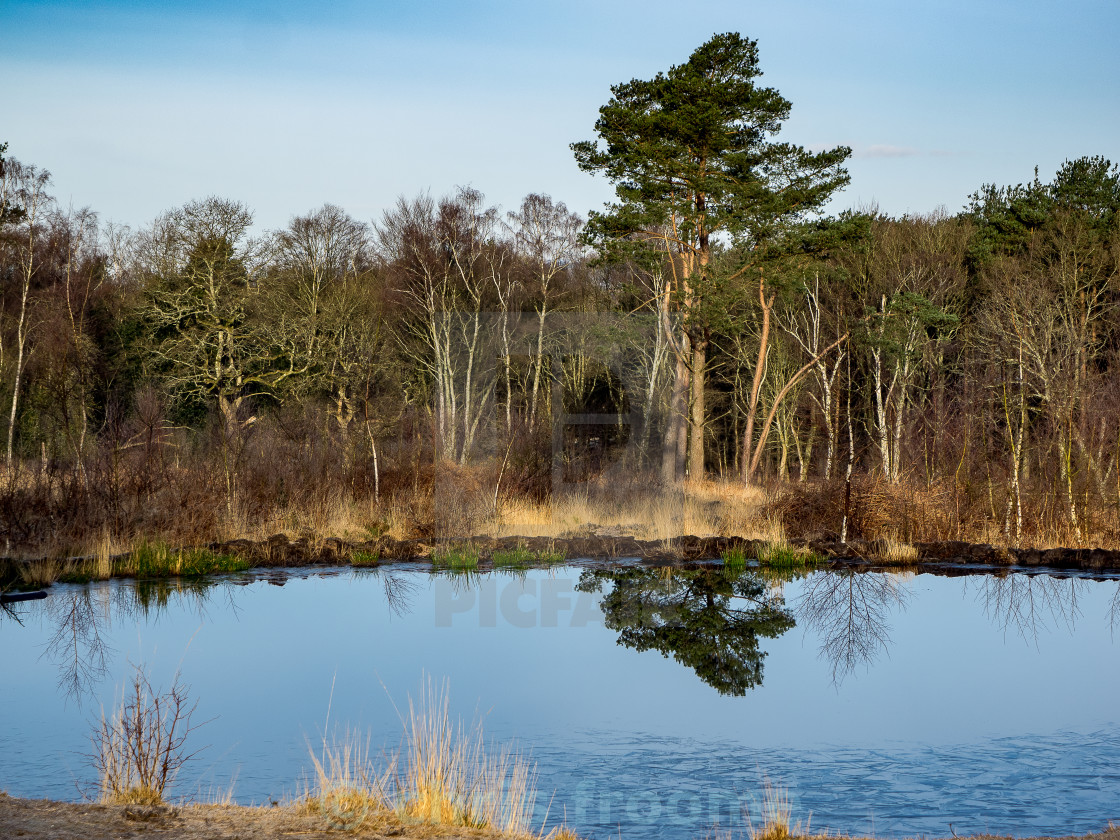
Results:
x,y
139,107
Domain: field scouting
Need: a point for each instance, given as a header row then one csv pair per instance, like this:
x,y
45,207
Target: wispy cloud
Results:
x,y
886,150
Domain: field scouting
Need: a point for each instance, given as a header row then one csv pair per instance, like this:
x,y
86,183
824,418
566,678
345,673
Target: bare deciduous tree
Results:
x,y
26,185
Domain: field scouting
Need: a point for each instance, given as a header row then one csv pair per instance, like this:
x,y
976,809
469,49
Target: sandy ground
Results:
x,y
44,819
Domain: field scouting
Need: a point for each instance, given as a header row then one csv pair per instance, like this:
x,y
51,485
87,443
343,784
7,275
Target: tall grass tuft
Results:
x,y
365,558
37,574
895,553
349,792
140,748
734,560
460,556
776,817
103,555
517,557
157,560
781,555
521,557
443,775
449,778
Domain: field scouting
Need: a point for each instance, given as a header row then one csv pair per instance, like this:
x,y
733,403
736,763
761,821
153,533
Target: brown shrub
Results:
x,y
877,509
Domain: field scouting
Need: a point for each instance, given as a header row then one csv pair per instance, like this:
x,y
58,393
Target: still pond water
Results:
x,y
888,705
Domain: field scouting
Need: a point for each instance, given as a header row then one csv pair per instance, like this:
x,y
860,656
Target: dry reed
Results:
x,y
697,508
444,775
895,553
776,817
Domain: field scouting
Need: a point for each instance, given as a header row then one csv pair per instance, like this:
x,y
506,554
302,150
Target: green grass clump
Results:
x,y
77,573
365,558
148,560
734,560
782,555
520,556
193,562
463,556
550,556
157,560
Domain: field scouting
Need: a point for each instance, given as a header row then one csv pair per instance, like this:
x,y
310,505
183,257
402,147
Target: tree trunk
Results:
x,y
696,439
749,461
537,366
21,341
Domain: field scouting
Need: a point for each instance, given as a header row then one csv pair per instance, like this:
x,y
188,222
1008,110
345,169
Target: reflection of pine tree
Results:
x,y
708,621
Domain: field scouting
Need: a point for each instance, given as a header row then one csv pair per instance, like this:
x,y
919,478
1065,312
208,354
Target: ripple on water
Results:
x,y
1019,786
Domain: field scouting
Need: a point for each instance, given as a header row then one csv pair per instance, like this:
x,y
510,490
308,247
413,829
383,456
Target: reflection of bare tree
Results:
x,y
1028,602
400,588
1114,609
849,610
77,646
82,616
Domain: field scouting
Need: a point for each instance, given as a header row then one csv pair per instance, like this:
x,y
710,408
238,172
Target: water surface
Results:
x,y
659,701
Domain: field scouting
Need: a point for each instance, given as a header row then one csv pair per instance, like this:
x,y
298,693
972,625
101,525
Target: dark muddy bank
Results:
x,y
280,551
940,557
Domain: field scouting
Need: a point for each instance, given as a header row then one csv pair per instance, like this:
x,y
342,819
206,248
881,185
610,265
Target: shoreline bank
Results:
x,y
278,551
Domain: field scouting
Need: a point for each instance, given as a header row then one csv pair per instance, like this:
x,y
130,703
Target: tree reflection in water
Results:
x,y
82,616
1114,610
77,646
849,610
1028,603
400,589
705,619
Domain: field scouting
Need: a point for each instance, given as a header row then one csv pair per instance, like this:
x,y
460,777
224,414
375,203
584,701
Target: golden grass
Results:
x,y
895,552
103,552
443,776
450,778
777,814
336,516
40,573
696,508
349,792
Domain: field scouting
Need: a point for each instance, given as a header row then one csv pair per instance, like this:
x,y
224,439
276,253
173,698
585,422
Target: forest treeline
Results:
x,y
195,379
188,376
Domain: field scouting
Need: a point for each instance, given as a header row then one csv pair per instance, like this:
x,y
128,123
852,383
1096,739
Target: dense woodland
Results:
x,y
955,373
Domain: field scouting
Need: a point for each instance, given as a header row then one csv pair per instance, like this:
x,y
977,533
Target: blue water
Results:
x,y
882,705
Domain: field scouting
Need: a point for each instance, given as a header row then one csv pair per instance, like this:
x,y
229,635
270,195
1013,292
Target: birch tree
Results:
x,y
547,237
24,186
440,256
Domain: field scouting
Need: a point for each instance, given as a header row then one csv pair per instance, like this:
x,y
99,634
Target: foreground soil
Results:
x,y
43,819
